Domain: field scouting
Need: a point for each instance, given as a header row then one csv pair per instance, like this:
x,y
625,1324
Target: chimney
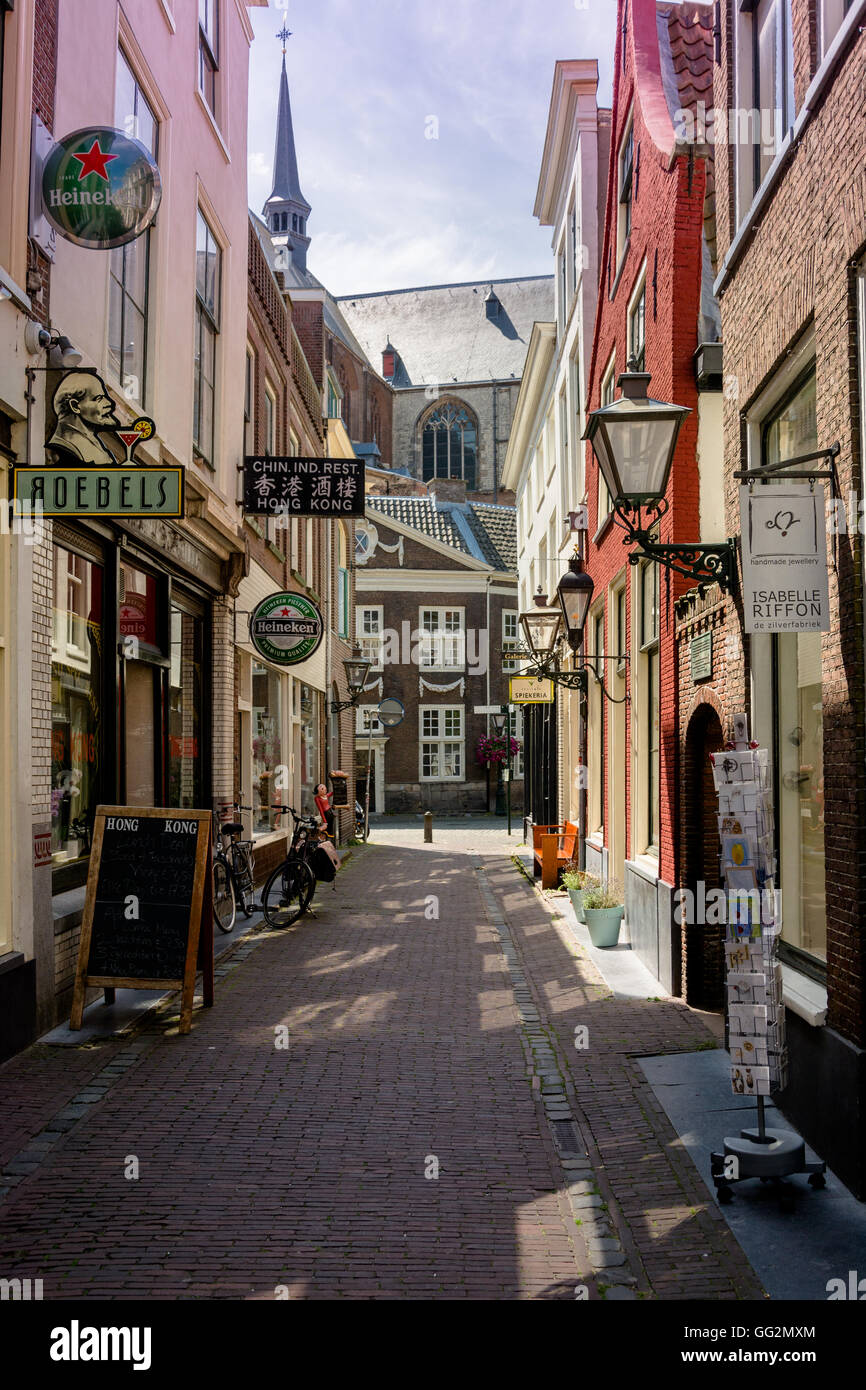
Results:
x,y
447,490
389,357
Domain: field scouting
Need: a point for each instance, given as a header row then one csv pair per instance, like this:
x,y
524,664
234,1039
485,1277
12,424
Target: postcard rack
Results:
x,y
756,1013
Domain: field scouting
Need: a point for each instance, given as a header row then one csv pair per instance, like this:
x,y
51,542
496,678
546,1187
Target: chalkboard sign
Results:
x,y
149,890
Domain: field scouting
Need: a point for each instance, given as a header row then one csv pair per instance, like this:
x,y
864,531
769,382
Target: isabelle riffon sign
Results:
x,y
82,476
303,486
100,187
784,557
286,628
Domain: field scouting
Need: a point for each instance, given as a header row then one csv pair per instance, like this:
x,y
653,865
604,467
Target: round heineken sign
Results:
x,y
286,628
100,188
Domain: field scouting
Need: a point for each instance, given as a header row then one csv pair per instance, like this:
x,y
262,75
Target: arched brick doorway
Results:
x,y
703,950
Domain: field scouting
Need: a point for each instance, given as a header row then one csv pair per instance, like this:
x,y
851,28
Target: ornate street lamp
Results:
x,y
541,627
633,440
575,595
357,668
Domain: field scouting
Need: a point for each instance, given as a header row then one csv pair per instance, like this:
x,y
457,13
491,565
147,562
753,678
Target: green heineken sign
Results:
x,y
286,628
100,188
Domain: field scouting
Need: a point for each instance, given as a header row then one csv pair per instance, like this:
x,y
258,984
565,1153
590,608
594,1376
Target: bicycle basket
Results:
x,y
323,866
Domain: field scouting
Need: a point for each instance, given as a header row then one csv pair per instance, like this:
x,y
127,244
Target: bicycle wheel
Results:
x,y
244,886
223,897
287,893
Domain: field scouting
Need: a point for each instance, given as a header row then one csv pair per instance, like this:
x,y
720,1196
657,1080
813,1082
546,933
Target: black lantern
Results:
x,y
575,595
357,668
634,439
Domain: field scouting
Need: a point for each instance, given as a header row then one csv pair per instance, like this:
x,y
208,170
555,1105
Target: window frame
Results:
x,y
510,664
637,303
461,409
625,188
365,639
208,50
440,739
207,320
141,245
607,391
443,634
649,646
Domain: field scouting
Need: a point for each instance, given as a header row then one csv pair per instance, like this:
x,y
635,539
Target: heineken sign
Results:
x,y
100,188
286,628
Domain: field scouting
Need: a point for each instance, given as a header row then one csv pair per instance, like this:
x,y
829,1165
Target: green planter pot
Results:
x,y
576,895
604,924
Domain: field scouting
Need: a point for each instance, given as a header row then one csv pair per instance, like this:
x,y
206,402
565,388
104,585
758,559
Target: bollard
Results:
x,y
428,827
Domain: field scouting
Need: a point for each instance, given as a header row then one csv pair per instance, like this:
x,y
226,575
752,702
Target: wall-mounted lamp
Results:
x,y
61,353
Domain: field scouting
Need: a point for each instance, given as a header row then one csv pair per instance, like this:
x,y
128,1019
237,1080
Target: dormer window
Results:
x,y
491,304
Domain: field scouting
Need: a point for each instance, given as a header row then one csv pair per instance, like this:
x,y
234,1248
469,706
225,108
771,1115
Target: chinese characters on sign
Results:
x,y
303,486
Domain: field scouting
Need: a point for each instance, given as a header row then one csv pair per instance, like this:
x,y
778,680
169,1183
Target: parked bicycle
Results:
x,y
233,865
290,888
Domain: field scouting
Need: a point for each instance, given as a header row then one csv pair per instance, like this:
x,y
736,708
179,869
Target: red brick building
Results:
x,y
655,304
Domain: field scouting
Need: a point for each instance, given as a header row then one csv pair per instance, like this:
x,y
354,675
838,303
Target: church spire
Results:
x,y
286,210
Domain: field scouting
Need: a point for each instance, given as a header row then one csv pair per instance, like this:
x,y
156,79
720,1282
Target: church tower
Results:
x,y
286,210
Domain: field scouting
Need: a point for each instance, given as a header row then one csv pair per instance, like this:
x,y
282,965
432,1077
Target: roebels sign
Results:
x,y
82,475
100,188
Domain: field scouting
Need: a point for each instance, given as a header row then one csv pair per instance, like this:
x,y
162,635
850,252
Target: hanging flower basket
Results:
x,y
494,750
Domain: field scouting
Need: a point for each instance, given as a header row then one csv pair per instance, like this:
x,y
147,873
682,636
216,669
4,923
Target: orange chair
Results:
x,y
552,848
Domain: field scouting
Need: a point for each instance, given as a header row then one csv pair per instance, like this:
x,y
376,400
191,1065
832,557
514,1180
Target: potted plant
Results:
x,y
603,912
577,882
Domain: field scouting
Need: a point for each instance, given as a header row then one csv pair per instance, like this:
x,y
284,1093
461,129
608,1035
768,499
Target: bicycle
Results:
x,y
290,888
233,866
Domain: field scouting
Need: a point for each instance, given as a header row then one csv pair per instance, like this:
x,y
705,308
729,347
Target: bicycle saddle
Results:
x,y
231,827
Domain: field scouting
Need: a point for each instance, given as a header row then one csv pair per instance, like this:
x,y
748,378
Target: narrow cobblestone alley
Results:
x,y
414,1138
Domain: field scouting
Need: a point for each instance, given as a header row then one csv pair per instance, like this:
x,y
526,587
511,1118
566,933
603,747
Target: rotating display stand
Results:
x,y
756,1014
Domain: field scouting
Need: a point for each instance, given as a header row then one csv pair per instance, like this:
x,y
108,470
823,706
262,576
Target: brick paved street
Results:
x,y
413,1042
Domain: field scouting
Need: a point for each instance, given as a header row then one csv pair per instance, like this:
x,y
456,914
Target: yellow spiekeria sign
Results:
x,y
527,690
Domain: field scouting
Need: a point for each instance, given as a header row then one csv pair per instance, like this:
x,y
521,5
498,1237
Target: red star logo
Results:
x,y
285,613
94,162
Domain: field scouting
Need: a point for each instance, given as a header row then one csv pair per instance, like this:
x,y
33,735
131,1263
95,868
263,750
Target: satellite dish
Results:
x,y
391,712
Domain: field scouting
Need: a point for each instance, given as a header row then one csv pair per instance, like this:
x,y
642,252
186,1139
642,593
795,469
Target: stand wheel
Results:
x,y
786,1199
817,1181
724,1194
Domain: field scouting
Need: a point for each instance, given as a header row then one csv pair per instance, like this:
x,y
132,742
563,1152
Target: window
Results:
x,y
343,593
369,633
790,430
575,255
625,174
76,703
366,716
830,14
648,743
249,392
185,784
637,328
607,395
441,743
208,272
596,727
443,644
270,419
309,566
311,745
448,444
620,634
509,638
129,264
765,61
563,288
208,51
267,713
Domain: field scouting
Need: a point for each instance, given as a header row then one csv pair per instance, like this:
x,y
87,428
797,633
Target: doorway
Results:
x,y
704,955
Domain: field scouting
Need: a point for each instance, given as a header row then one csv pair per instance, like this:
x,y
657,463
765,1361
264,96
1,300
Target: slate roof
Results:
x,y
478,529
442,333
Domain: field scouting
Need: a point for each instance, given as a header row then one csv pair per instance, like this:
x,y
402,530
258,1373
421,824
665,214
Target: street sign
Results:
x,y
490,709
288,486
286,628
100,188
390,712
530,690
784,558
149,894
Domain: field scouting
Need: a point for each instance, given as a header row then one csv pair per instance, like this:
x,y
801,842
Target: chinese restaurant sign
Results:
x,y
82,476
100,188
286,628
303,486
784,555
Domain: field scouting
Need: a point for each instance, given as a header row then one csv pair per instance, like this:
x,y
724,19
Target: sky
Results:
x,y
371,83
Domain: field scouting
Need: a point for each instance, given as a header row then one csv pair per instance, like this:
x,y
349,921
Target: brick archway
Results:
x,y
702,943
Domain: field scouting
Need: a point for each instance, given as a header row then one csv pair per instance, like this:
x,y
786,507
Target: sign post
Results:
x,y
149,890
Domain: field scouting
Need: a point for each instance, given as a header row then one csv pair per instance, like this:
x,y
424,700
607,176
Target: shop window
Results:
x,y
311,745
208,273
441,737
443,640
267,750
129,265
791,430
77,658
185,711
